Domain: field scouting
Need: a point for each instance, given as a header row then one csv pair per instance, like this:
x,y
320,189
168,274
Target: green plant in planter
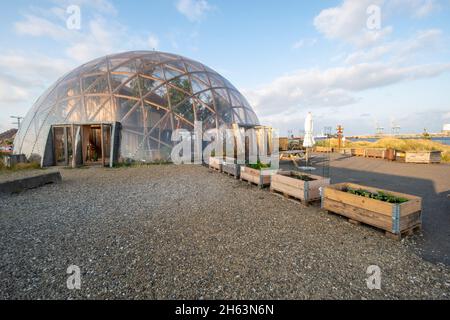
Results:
x,y
259,166
379,195
303,177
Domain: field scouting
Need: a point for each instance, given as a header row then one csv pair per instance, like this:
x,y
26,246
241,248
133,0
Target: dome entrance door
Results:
x,y
96,144
85,144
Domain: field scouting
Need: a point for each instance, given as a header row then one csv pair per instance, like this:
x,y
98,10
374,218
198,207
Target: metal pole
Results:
x,y
103,145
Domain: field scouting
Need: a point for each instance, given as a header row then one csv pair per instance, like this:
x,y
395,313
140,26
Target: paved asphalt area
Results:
x,y
429,181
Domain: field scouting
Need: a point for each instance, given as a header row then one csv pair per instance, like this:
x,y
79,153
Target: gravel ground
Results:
x,y
183,232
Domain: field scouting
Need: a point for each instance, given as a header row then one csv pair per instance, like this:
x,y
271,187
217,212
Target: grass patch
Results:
x,y
141,164
19,166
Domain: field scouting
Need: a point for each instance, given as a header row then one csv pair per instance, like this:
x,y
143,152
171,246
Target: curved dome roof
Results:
x,y
150,93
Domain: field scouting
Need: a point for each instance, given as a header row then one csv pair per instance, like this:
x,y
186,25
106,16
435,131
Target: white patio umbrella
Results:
x,y
308,141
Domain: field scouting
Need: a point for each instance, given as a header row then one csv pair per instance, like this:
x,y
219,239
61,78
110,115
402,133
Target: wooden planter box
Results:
x,y
215,163
376,153
400,156
347,151
395,219
390,154
323,149
305,191
258,177
231,167
423,157
359,152
283,144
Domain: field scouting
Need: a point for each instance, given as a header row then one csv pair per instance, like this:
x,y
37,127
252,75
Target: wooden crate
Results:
x,y
390,154
305,191
323,149
231,167
215,163
423,157
395,219
258,177
375,153
359,152
400,156
283,144
347,151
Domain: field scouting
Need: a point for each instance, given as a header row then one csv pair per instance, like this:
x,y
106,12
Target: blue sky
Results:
x,y
287,57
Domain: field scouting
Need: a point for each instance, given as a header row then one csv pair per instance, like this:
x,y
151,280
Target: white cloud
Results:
x,y
415,8
100,35
194,10
103,37
103,7
25,75
304,43
153,41
425,9
426,40
11,92
37,27
32,65
348,22
334,86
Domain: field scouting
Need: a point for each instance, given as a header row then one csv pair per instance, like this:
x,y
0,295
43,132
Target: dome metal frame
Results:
x,y
149,93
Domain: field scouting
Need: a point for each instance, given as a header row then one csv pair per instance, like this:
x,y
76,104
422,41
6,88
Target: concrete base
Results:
x,y
19,185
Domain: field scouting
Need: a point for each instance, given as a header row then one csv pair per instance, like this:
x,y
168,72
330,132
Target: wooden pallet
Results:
x,y
230,175
405,233
252,183
292,198
215,169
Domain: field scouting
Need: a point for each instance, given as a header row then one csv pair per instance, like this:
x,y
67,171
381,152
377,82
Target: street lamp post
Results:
x,y
18,120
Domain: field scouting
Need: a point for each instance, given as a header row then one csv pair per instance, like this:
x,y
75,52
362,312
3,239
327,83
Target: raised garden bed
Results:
x,y
390,154
323,149
304,187
261,177
359,152
347,151
375,153
400,156
397,213
231,167
215,163
423,157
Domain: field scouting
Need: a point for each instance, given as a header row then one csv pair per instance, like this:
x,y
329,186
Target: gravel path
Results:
x,y
182,232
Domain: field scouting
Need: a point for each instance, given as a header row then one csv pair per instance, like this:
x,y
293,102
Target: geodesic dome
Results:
x,y
149,93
